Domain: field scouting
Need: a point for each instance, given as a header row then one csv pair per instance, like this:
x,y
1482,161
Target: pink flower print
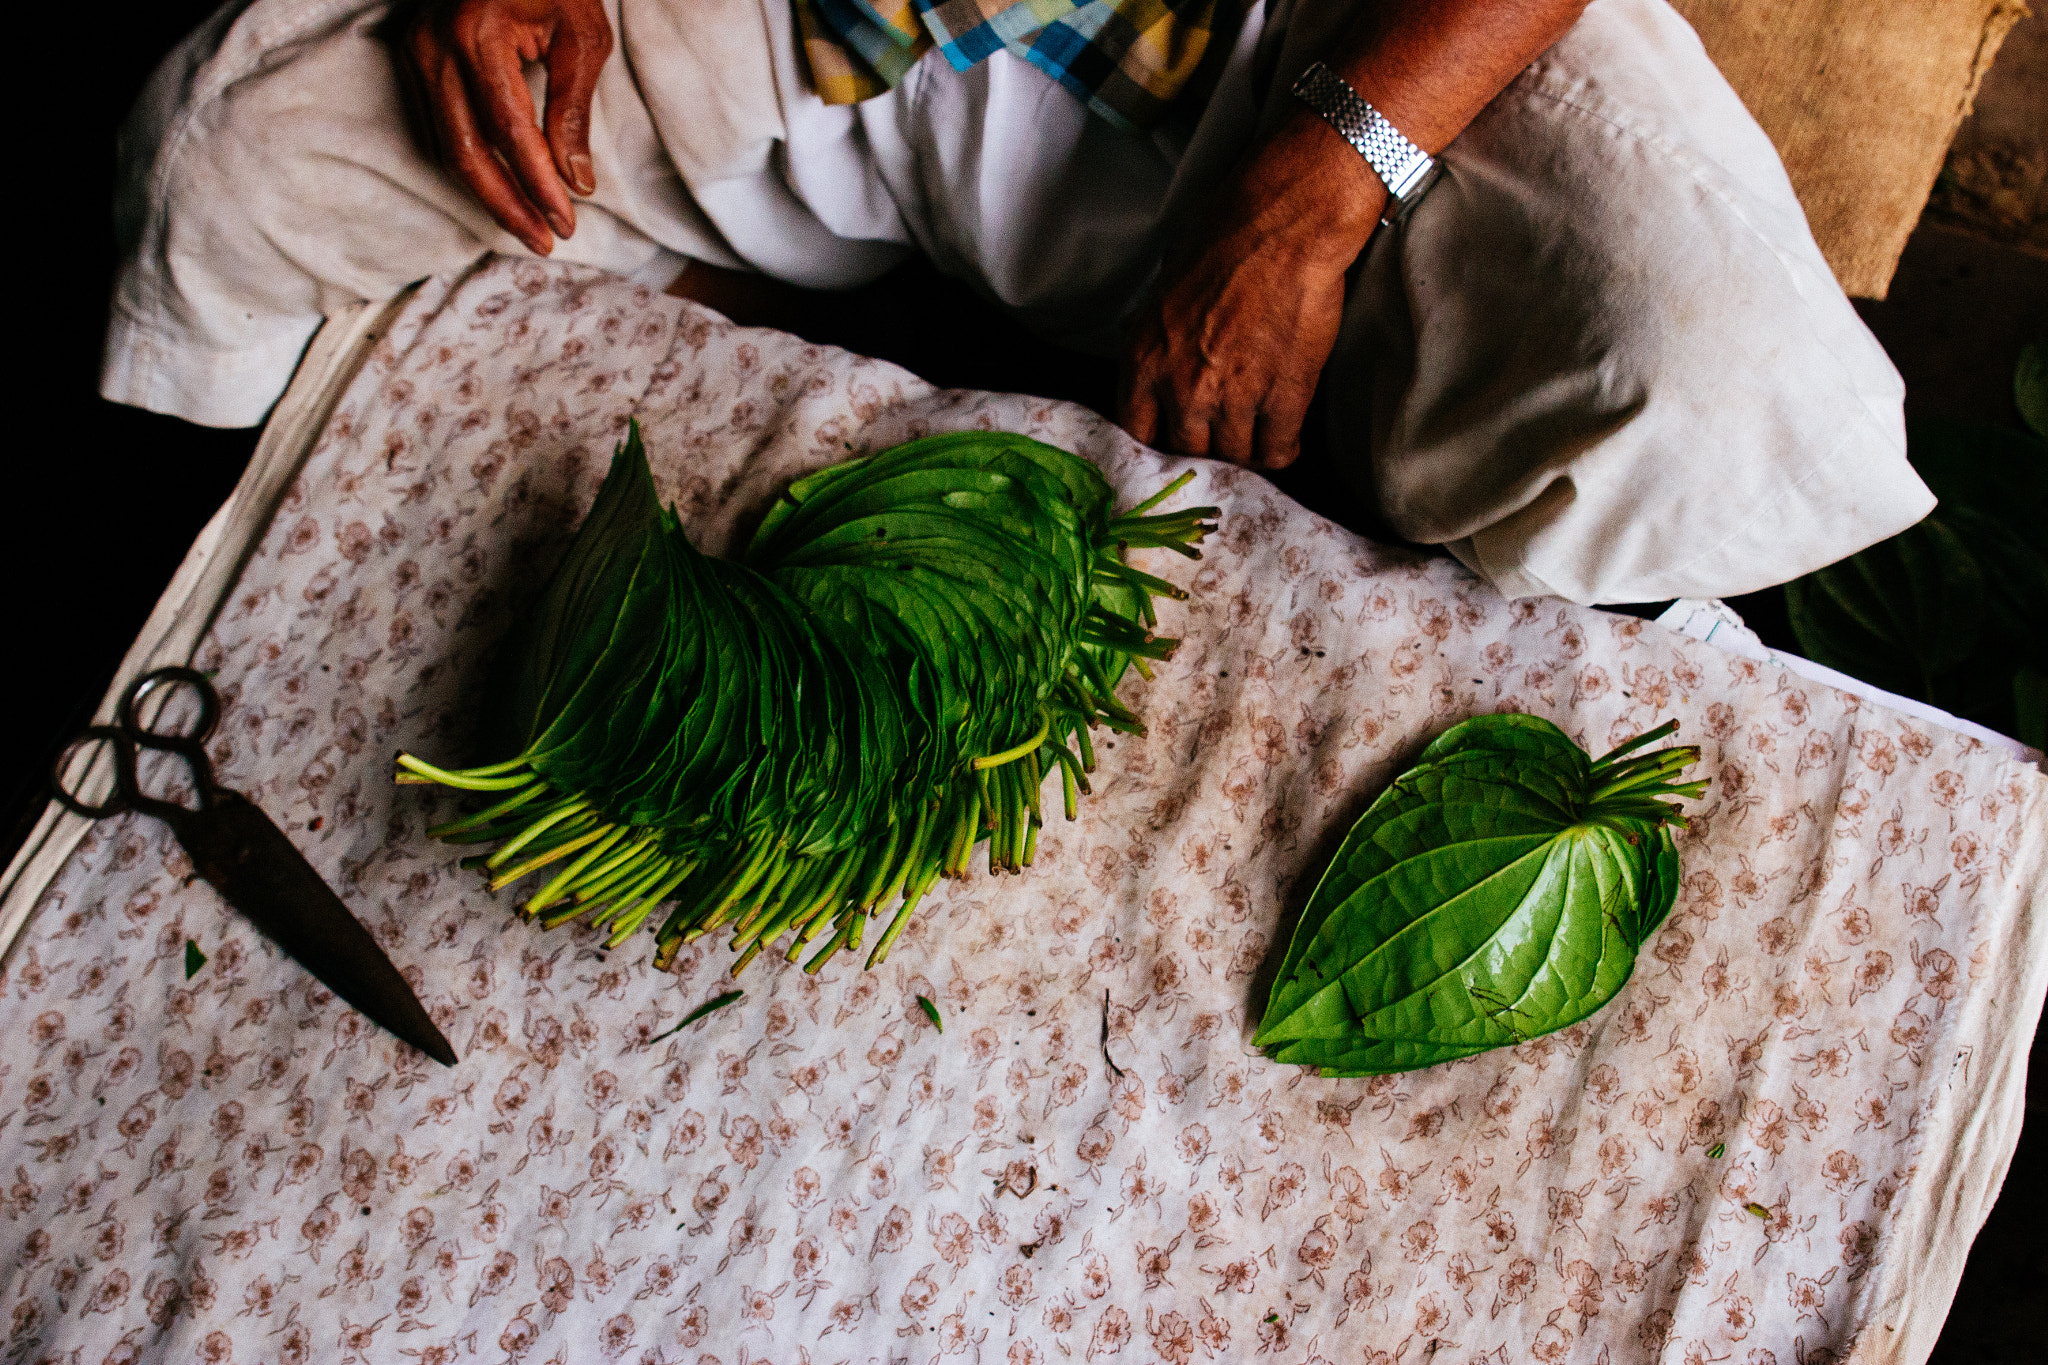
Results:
x,y
1093,1148
1236,1276
1967,851
953,1239
615,1338
1269,740
1841,1172
1909,1031
1517,1280
1112,1331
1283,1188
1776,936
1871,974
1418,1242
1808,1294
1173,1337
1629,1277
1859,1248
557,1285
1126,1092
1874,1110
1673,948
892,1234
1936,969
1014,1290
1878,754
1317,1252
1433,619
1816,751
1831,1060
497,1274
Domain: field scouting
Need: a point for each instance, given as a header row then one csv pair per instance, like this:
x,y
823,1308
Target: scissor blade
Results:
x,y
248,859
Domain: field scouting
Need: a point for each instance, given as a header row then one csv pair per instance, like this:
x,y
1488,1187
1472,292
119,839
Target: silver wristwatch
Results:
x,y
1405,169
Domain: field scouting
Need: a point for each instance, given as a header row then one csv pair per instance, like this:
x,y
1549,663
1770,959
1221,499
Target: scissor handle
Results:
x,y
189,742
129,734
122,798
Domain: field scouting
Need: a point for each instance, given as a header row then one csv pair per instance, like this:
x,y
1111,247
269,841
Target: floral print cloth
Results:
x,y
1730,1163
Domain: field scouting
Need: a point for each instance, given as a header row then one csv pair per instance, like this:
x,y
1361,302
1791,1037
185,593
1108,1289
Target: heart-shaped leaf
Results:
x,y
1497,891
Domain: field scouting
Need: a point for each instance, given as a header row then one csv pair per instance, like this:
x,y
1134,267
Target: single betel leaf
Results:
x,y
1999,470
2015,580
1498,890
2030,703
2030,385
1900,614
561,639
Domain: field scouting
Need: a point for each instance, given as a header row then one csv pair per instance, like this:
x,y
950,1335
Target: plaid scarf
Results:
x,y
1128,60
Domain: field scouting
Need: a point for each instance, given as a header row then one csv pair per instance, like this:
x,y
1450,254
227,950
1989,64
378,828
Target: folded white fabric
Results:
x,y
1604,359
1090,1162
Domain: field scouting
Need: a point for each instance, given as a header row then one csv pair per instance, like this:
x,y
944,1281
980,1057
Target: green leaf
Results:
x,y
1998,470
714,1004
194,959
2030,386
1949,609
1497,891
782,744
1899,614
2030,703
931,1012
558,642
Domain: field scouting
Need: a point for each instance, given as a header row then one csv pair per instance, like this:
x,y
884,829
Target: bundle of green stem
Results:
x,y
785,747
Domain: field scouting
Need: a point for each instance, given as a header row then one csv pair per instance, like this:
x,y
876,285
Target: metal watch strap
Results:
x,y
1403,167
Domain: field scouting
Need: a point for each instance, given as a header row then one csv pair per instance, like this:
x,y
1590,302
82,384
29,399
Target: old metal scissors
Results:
x,y
248,859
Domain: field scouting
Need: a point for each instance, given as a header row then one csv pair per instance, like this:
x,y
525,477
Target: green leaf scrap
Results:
x,y
931,1012
715,1003
194,959
1499,890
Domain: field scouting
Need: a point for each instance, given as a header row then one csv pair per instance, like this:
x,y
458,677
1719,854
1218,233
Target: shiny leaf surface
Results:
x,y
1497,891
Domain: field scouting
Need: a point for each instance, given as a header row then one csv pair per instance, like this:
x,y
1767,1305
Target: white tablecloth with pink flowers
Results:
x,y
1090,1163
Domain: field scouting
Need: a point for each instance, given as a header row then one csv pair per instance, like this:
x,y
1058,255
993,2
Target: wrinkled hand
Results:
x,y
1226,354
466,59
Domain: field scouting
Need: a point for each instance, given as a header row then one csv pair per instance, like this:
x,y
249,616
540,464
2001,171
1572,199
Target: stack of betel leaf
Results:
x,y
1499,890
782,748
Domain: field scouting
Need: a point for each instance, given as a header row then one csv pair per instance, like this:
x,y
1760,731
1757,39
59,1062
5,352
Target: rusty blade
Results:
x,y
248,859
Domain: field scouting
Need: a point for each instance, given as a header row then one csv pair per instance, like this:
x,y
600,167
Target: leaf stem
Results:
x,y
470,780
1018,751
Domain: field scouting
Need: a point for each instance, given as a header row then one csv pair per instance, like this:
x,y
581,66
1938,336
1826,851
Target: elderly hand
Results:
x,y
467,59
1226,353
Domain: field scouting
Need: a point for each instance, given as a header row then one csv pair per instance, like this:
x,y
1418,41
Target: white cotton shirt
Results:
x,y
1603,359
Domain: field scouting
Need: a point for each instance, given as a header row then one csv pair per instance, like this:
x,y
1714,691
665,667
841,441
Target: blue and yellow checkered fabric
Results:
x,y
1128,60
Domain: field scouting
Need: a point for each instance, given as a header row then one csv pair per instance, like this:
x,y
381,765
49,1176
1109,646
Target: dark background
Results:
x,y
108,499
113,496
